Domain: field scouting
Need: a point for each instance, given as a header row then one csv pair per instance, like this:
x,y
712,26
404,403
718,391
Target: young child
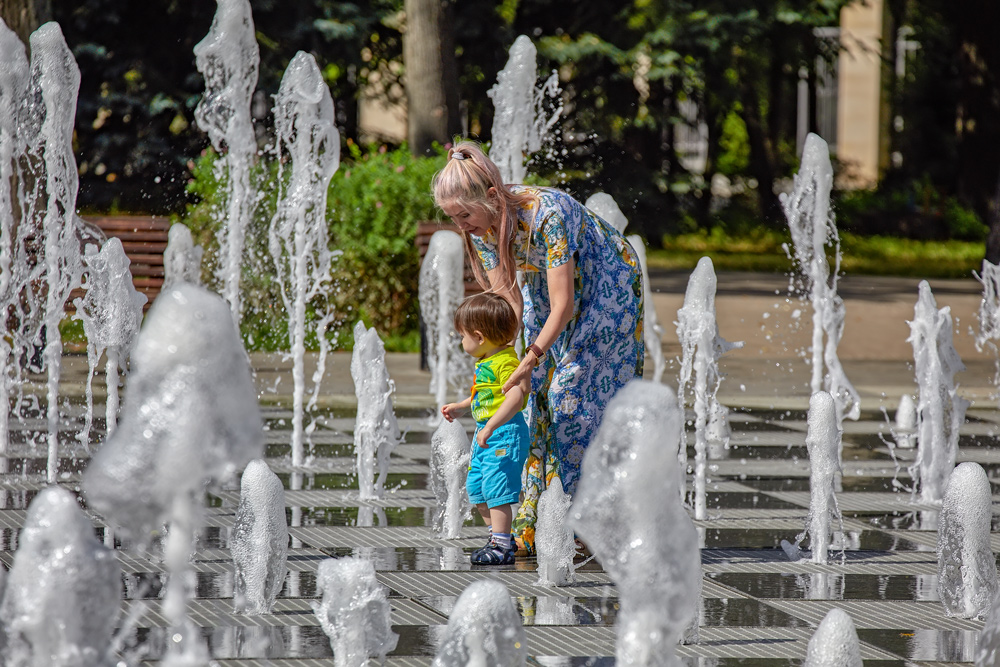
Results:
x,y
488,324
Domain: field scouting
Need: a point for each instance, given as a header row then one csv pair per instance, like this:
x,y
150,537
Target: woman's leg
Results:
x,y
539,468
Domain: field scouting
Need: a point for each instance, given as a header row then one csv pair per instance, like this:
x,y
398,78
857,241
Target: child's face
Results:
x,y
475,344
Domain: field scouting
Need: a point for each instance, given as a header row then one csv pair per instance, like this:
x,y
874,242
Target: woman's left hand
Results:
x,y
521,373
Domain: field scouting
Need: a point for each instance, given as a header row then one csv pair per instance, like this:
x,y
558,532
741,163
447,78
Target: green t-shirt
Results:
x,y
491,374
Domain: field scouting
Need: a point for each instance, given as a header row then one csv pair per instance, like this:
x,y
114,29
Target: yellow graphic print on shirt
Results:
x,y
491,374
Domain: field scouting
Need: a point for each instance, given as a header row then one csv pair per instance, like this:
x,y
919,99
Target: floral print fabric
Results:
x,y
598,352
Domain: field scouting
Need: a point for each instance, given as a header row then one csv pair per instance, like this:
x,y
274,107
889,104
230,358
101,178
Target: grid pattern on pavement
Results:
x,y
755,604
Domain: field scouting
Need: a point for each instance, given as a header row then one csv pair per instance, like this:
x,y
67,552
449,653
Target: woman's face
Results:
x,y
476,220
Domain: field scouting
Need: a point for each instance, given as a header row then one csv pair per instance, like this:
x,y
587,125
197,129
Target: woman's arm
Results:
x,y
560,284
510,406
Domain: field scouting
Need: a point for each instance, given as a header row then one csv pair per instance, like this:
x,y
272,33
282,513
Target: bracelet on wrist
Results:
x,y
537,351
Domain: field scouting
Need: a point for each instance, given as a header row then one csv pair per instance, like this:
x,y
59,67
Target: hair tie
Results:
x,y
458,156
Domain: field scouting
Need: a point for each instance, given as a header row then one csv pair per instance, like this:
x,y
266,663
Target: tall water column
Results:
x,y
228,58
297,237
813,227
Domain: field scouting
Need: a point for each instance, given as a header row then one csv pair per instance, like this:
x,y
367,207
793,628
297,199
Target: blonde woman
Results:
x,y
581,307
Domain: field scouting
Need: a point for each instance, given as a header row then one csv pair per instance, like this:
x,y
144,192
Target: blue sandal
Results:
x,y
494,554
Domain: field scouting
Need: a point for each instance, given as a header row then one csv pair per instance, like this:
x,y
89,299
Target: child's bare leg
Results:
x,y
484,511
501,517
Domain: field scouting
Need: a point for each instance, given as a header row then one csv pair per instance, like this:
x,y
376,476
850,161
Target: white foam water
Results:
x,y
450,454
111,312
520,125
967,572
182,258
813,226
823,440
228,58
653,557
353,611
55,79
190,419
376,432
554,542
905,428
701,348
940,410
441,289
63,593
297,236
259,542
484,630
835,642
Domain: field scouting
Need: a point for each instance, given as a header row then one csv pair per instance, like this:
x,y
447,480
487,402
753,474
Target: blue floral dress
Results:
x,y
598,352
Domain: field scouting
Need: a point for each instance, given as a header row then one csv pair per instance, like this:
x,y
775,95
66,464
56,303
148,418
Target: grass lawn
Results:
x,y
763,250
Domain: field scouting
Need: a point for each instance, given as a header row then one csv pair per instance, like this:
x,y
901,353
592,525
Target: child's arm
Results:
x,y
452,410
511,405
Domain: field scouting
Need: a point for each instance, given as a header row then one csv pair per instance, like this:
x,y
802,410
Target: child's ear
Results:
x,y
480,336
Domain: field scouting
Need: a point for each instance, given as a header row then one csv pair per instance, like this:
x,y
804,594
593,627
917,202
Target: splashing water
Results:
x,y
297,237
967,572
940,410
56,79
190,418
519,123
835,642
823,440
14,261
554,541
259,542
905,429
989,314
354,611
111,311
653,557
607,209
376,432
449,467
441,289
988,648
701,346
484,630
228,58
62,597
182,258
813,227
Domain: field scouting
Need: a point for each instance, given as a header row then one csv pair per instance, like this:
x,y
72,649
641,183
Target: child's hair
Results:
x,y
490,314
466,180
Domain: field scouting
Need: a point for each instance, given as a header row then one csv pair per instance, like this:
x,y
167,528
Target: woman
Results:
x,y
581,305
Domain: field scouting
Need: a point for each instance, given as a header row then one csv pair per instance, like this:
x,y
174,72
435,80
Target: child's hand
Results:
x,y
449,411
483,435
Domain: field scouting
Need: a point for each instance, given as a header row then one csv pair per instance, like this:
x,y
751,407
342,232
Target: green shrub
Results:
x,y
375,201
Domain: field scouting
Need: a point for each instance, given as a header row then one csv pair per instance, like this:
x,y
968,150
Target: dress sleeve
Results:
x,y
555,234
486,250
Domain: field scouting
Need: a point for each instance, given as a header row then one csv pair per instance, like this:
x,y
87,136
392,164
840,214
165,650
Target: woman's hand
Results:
x,y
521,374
483,434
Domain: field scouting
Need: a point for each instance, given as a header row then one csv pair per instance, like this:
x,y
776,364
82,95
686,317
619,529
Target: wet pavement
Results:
x,y
757,606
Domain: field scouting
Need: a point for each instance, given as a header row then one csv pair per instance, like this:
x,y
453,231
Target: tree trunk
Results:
x,y
24,16
431,74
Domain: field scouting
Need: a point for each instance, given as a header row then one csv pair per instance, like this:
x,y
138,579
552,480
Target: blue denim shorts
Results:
x,y
495,471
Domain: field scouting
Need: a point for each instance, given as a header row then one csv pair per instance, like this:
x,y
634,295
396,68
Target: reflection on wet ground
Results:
x,y
757,607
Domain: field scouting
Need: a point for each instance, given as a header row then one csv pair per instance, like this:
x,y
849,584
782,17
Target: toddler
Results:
x,y
488,324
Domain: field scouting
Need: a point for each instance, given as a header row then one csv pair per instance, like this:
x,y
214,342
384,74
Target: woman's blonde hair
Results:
x,y
465,181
